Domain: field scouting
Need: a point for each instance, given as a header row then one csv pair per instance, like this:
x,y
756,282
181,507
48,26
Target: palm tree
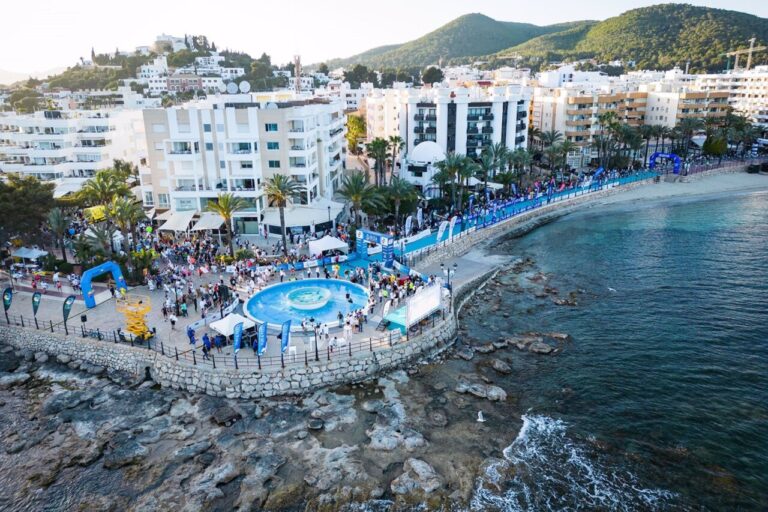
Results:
x,y
279,190
363,196
468,169
485,167
441,178
58,221
400,190
396,144
664,133
124,170
553,155
226,205
534,134
125,213
100,189
506,178
498,152
378,150
99,238
687,128
566,147
647,132
520,158
451,166
551,137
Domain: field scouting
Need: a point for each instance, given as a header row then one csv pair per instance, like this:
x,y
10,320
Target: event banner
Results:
x,y
7,298
36,302
67,307
285,336
420,217
237,334
441,230
451,226
262,338
408,225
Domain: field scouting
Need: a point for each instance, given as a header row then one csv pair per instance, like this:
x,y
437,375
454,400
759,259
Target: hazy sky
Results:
x,y
45,34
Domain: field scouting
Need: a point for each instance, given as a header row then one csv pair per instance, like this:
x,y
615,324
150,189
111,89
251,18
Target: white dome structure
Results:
x,y
428,152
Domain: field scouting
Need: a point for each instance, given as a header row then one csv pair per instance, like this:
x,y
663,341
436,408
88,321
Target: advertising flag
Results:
x,y
237,334
262,338
286,336
420,217
408,225
441,230
36,302
7,298
67,307
450,228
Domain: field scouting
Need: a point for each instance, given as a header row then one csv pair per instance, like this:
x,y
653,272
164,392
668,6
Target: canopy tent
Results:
x,y
208,220
327,243
27,253
226,325
66,186
304,215
179,221
495,186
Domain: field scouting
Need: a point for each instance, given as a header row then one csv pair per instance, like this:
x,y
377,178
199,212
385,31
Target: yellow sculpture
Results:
x,y
134,308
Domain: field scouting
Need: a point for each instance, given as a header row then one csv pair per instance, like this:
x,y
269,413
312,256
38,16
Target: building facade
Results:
x,y
233,143
56,144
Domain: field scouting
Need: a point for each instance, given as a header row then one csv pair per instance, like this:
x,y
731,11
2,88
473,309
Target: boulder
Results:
x,y
465,353
485,349
63,358
225,415
560,336
417,476
539,347
501,367
41,357
495,394
13,379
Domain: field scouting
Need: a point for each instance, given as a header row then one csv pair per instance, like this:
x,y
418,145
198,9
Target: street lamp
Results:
x,y
448,272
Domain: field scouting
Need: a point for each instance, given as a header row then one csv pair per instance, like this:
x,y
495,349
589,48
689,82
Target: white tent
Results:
x,y
179,221
327,243
208,220
226,325
26,253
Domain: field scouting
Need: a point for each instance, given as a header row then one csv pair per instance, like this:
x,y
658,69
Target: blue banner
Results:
x,y
285,336
262,338
36,302
67,306
7,298
237,333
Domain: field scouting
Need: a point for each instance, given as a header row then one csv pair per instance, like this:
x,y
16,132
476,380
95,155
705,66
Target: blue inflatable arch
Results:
x,y
88,275
672,156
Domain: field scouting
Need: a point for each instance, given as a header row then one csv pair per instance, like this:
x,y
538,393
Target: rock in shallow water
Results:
x,y
539,347
417,476
501,367
465,353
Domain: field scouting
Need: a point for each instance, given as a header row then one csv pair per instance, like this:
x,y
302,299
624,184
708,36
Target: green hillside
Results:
x,y
467,36
656,37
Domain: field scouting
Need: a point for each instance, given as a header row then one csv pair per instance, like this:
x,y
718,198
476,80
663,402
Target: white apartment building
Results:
x,y
176,43
233,143
748,91
460,120
567,74
158,68
353,98
55,144
307,83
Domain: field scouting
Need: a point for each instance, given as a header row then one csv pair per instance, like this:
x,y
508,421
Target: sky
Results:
x,y
54,33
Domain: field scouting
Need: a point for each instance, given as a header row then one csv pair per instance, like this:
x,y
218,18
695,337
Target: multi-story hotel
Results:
x,y
62,144
233,143
443,120
748,91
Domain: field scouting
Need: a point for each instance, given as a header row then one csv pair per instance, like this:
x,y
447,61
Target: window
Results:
x,y
164,200
271,127
273,146
222,164
219,127
148,198
209,146
274,164
246,165
207,128
159,146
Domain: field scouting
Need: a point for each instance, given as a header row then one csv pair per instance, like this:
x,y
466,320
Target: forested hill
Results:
x,y
656,37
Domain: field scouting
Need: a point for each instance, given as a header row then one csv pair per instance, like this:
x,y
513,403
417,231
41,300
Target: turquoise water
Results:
x,y
661,399
290,301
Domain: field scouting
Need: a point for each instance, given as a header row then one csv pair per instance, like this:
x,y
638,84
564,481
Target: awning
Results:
x,y
327,243
65,186
150,213
165,215
226,326
304,215
179,221
208,221
27,253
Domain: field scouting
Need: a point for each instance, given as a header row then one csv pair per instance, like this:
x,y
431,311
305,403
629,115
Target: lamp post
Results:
x,y
449,272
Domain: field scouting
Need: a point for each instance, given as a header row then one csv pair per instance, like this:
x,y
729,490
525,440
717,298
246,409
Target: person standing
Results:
x,y
173,321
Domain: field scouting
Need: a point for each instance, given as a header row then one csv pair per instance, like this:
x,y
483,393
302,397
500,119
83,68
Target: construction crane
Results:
x,y
297,70
752,48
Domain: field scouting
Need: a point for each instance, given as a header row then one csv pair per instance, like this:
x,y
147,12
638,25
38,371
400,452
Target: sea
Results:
x,y
660,401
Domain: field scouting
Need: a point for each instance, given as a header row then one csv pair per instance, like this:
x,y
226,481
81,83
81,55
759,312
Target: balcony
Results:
x,y
336,132
430,118
487,117
430,129
520,139
487,129
473,130
473,118
418,117
418,129
522,114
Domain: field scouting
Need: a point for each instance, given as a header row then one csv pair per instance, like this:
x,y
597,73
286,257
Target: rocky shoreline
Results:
x,y
92,439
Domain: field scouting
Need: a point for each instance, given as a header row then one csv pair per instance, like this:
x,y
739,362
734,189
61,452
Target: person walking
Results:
x,y
173,321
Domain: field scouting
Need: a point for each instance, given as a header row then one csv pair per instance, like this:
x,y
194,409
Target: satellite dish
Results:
x,y
244,87
222,87
232,88
270,106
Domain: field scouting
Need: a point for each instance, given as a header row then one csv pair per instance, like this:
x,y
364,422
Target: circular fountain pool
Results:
x,y
319,299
